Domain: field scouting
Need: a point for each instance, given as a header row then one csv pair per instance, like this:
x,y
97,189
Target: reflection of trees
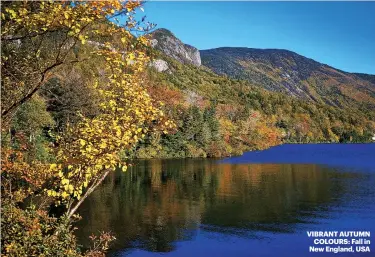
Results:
x,y
271,197
150,205
158,202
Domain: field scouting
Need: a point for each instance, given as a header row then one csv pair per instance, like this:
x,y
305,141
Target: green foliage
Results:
x,y
174,145
33,121
192,123
32,117
211,122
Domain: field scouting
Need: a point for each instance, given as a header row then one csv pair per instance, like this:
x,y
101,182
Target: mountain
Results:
x,y
218,116
274,70
293,74
166,42
368,77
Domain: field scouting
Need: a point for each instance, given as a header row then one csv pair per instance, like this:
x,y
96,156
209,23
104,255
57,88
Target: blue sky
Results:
x,y
340,34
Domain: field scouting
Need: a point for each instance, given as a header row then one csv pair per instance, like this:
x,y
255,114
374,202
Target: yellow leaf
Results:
x,y
12,13
64,195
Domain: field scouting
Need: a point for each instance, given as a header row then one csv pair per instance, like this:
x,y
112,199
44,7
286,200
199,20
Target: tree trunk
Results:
x,y
88,192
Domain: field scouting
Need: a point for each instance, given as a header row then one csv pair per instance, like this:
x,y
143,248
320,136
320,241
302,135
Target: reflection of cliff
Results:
x,y
158,202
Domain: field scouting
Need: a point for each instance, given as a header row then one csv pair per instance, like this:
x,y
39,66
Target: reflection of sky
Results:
x,y
266,244
353,156
223,245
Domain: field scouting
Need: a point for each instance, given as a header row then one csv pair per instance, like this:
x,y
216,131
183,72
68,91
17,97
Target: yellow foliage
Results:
x,y
89,148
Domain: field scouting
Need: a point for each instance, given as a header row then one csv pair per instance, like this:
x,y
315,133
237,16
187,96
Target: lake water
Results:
x,y
260,204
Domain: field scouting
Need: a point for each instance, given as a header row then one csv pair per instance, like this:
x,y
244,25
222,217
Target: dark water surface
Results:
x,y
259,204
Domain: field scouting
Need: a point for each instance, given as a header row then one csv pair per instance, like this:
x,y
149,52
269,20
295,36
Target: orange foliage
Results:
x,y
168,96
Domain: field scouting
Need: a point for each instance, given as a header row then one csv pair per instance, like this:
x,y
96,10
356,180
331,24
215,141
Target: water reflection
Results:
x,y
159,202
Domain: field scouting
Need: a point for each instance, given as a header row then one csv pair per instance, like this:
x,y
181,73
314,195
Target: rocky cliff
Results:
x,y
166,42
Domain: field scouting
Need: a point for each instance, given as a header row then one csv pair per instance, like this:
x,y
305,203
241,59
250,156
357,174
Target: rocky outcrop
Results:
x,y
164,41
160,65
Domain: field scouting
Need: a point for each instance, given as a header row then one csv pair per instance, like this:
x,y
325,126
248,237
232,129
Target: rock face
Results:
x,y
164,41
160,65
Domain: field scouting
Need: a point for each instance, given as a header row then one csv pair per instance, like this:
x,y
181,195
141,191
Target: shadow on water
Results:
x,y
158,203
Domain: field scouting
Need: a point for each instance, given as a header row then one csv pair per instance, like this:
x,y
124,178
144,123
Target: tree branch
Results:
x,y
32,92
88,192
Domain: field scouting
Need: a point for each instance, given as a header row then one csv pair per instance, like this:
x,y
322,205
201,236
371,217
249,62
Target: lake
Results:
x,y
259,204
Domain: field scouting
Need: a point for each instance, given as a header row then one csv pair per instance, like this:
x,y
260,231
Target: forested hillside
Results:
x,y
238,110
298,76
219,116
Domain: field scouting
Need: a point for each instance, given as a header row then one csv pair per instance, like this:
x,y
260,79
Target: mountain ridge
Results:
x,y
293,52
278,70
360,74
296,75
